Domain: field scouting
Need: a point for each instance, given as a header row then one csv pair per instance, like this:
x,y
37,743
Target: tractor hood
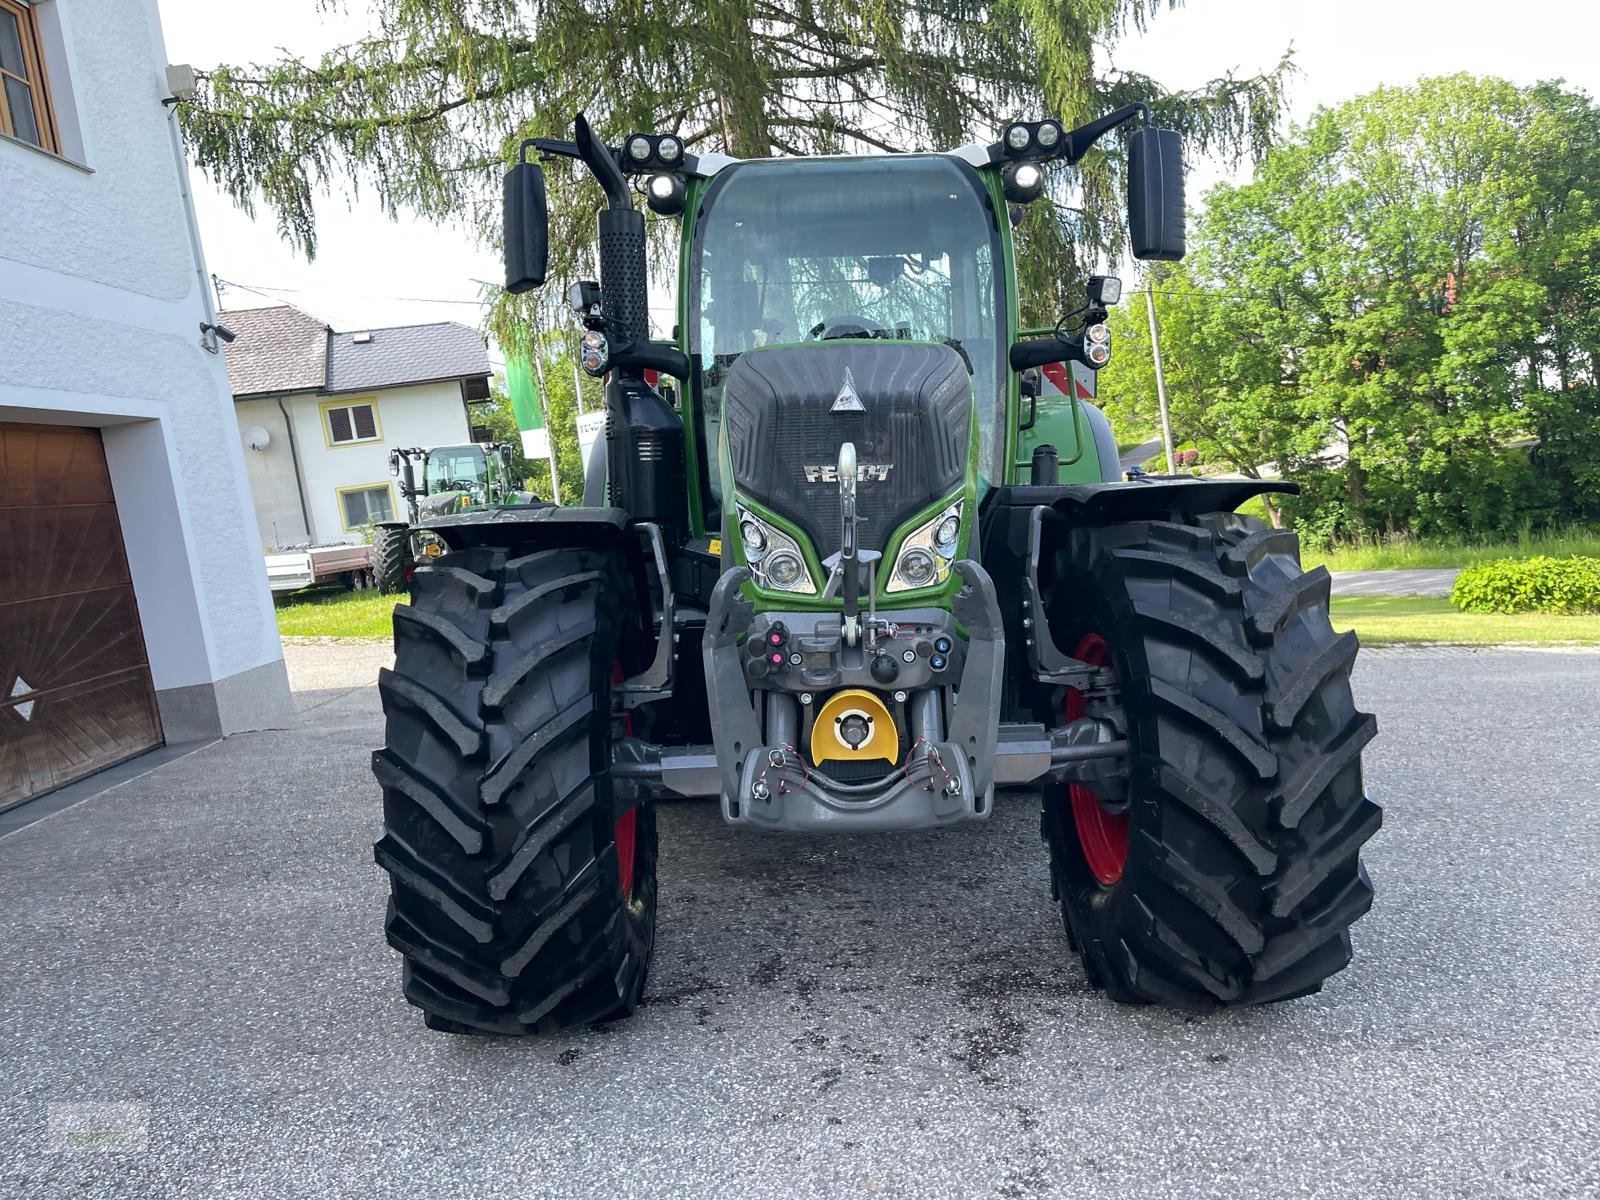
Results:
x,y
906,406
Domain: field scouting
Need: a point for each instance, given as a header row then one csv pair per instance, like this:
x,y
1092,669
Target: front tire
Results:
x,y
391,558
523,895
1234,875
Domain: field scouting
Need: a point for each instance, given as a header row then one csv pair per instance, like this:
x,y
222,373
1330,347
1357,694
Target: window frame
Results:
x,y
37,83
327,406
384,485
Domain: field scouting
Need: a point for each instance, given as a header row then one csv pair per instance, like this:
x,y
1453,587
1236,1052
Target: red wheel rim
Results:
x,y
1103,835
627,825
623,832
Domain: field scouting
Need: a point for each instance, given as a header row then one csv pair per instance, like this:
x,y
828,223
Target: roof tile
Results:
x,y
282,349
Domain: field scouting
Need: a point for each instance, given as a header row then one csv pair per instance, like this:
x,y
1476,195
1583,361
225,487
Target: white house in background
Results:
x,y
319,410
133,602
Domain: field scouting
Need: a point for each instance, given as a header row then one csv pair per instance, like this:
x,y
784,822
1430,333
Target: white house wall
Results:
x,y
429,414
100,308
279,519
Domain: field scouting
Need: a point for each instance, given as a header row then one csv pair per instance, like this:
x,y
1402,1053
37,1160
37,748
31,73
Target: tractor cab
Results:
x,y
453,478
464,469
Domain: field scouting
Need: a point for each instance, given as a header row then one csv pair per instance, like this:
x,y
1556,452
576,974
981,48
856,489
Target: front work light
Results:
x,y
1049,134
1022,182
1104,291
669,149
639,148
666,195
1017,138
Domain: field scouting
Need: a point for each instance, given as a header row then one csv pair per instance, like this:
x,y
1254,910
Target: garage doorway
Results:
x,y
75,690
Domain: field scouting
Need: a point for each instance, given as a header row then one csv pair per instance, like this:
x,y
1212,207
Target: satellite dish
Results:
x,y
257,438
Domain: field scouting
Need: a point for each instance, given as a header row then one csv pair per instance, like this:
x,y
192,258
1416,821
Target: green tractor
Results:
x,y
860,575
455,479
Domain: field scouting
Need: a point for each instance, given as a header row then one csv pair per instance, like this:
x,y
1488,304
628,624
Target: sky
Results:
x,y
371,271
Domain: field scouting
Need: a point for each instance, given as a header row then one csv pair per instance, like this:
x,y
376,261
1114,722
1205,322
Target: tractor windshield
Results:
x,y
902,248
457,469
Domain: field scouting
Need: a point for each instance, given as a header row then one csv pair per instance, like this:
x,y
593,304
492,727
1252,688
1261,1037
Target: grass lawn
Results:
x,y
1377,556
1387,620
335,612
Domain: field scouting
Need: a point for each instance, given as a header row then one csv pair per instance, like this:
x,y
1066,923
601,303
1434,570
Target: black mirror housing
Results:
x,y
1155,194
527,228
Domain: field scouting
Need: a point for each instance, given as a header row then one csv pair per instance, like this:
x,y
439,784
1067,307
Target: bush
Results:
x,y
1539,584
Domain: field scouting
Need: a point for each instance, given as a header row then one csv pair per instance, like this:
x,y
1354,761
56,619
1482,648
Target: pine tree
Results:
x,y
425,113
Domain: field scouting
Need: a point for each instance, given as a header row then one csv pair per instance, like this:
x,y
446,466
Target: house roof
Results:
x,y
279,349
282,349
379,358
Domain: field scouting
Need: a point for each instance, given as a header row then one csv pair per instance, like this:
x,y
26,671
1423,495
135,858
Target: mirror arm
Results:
x,y
1077,142
550,148
1036,352
652,356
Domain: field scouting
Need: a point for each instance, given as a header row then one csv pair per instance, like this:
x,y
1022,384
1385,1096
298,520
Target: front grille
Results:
x,y
778,407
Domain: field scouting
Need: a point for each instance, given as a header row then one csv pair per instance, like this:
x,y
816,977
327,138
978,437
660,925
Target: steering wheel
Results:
x,y
845,325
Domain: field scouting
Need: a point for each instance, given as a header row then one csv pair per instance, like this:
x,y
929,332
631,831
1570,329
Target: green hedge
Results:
x,y
1541,584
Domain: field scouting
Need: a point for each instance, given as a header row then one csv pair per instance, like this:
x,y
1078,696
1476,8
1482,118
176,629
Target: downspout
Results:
x,y
299,483
208,338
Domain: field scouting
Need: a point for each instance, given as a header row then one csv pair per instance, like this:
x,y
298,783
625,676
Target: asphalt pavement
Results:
x,y
880,1016
1398,581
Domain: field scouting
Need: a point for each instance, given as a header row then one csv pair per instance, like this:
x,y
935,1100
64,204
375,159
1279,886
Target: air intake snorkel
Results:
x,y
644,436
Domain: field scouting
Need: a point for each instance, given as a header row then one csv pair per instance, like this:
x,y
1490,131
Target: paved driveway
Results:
x,y
1405,581
892,1016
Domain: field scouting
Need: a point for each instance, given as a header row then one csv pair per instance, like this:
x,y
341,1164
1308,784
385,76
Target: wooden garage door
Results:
x,y
75,691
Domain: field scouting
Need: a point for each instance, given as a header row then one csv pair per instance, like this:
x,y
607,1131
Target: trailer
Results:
x,y
314,566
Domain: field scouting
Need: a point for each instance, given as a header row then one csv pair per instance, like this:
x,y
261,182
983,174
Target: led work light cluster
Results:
x,y
925,556
662,154
1097,344
1026,143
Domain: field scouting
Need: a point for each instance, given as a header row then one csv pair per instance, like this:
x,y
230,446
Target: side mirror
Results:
x,y
394,463
527,228
505,457
1155,194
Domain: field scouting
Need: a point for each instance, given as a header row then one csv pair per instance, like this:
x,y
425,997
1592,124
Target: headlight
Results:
x,y
926,554
669,148
774,557
1018,137
917,567
639,149
755,542
785,569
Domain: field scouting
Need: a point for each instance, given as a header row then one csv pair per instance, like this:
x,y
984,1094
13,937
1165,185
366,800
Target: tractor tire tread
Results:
x,y
1243,872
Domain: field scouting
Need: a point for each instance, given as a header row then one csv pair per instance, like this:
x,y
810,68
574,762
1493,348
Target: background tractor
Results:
x,y
455,479
861,576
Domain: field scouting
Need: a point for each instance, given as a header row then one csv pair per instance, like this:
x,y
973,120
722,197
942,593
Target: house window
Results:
x,y
344,423
365,505
24,98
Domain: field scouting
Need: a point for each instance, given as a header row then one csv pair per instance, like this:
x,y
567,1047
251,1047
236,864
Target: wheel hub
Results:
x,y
1102,834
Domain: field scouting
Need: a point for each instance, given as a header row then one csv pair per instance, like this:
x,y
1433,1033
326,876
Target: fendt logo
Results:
x,y
848,400
865,473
